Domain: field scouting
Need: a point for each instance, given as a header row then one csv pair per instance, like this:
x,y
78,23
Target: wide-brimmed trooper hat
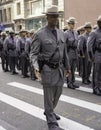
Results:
x,y
71,20
81,28
11,31
52,10
95,26
88,25
22,30
32,31
3,33
99,18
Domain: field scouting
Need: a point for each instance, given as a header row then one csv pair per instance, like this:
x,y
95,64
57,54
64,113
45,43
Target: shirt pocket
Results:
x,y
48,45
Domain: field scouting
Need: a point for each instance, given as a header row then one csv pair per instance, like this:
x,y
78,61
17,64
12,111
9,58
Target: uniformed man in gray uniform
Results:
x,y
3,54
27,50
20,47
94,51
81,31
86,64
71,38
10,48
49,44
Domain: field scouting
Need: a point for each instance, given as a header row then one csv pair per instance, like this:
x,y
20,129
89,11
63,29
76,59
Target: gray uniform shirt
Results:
x,y
82,43
28,45
20,44
44,42
10,46
94,45
71,38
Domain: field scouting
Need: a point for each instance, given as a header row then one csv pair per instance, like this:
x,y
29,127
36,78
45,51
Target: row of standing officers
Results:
x,y
15,50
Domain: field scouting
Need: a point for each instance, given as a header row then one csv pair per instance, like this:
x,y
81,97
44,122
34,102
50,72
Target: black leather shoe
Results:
x,y
75,86
15,72
57,117
89,81
85,82
53,127
27,76
70,86
96,91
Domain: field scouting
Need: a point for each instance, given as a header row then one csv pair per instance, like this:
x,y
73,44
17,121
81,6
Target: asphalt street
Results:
x,y
21,105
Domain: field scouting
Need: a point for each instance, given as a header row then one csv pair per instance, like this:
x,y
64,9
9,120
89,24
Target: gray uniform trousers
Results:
x,y
51,97
94,51
45,43
4,61
86,64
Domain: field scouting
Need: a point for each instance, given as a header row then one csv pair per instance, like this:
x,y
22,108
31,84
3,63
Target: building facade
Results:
x,y
82,10
19,14
34,13
28,14
6,13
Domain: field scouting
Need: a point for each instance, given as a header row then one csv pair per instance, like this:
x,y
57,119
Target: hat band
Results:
x,y
52,13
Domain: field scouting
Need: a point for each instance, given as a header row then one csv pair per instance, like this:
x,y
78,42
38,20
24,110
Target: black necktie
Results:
x,y
73,34
54,33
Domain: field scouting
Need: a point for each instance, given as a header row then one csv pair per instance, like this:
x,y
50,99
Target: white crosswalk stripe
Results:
x,y
64,123
1,128
84,89
38,112
78,79
67,99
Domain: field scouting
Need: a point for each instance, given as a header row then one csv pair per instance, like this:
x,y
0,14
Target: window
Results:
x,y
4,15
9,14
18,8
0,15
36,7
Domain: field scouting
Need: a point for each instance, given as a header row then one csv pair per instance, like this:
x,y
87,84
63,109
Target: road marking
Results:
x,y
76,72
78,79
67,99
84,89
38,112
1,128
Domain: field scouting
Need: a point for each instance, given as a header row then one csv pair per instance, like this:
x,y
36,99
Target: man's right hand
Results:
x,y
37,74
68,72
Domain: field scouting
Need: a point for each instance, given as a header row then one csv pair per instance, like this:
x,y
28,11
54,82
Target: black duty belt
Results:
x,y
53,65
98,50
73,48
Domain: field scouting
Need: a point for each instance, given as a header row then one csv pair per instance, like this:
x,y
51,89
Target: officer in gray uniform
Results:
x,y
49,45
81,31
20,47
94,51
86,64
10,48
27,50
3,54
71,38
